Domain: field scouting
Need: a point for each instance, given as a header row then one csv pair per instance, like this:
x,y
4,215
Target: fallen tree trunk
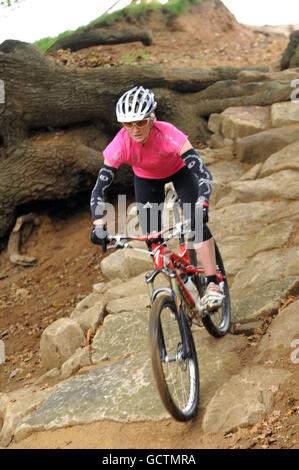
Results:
x,y
290,57
98,36
41,94
44,170
223,95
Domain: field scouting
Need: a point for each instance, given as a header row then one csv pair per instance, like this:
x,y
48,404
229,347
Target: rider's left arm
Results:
x,y
194,162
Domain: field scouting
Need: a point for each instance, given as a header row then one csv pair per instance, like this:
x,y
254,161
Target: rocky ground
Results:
x,y
68,265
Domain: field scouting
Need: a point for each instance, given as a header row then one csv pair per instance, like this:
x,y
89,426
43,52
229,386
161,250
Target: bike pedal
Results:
x,y
212,308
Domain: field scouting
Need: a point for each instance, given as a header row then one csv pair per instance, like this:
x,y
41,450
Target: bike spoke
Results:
x,y
176,368
177,374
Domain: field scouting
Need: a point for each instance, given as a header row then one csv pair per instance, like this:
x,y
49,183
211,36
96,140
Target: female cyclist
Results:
x,y
158,153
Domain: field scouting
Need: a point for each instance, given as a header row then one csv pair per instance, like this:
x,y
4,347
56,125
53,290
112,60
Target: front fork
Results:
x,y
174,292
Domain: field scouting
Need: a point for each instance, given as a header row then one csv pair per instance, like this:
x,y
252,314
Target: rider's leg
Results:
x,y
149,196
187,190
206,254
186,186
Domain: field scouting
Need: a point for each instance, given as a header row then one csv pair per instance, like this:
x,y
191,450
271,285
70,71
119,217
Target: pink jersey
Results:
x,y
159,157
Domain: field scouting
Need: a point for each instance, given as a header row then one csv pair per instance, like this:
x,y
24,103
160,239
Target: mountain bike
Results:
x,y
173,311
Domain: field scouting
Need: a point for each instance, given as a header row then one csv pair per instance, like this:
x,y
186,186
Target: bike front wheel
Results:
x,y
174,359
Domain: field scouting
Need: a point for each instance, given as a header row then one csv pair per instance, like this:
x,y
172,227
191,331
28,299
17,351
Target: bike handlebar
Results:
x,y
177,229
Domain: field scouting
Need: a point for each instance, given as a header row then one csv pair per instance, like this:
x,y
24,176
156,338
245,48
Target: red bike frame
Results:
x,y
164,257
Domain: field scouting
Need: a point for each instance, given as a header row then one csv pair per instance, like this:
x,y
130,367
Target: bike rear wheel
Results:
x,y
217,323
174,359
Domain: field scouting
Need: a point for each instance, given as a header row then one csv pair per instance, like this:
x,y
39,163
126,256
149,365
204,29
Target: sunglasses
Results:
x,y
140,124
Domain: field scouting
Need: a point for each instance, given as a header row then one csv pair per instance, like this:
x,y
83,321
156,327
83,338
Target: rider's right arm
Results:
x,y
97,204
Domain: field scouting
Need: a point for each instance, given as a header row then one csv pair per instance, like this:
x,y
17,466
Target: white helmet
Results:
x,y
136,104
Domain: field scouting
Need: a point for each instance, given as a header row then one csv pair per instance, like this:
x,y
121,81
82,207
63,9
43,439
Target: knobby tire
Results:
x,y
164,315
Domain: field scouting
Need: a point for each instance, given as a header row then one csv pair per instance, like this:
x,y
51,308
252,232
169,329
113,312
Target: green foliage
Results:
x,y
142,11
44,44
9,3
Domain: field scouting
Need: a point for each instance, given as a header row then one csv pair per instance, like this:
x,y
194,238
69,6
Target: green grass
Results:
x,y
135,56
141,12
44,44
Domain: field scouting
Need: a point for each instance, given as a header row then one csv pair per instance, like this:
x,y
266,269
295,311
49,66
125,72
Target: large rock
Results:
x,y
211,155
246,218
283,114
252,173
260,286
122,391
243,400
267,238
241,121
285,159
217,360
123,288
79,359
88,302
125,334
125,390
223,172
259,301
126,263
59,341
214,123
121,336
282,185
126,304
258,147
90,317
278,339
17,404
269,266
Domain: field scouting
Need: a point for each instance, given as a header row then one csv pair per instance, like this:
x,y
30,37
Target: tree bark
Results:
x,y
41,94
44,170
97,36
290,52
15,241
222,95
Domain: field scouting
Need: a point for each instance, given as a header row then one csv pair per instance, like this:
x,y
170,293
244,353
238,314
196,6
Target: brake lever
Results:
x,y
117,244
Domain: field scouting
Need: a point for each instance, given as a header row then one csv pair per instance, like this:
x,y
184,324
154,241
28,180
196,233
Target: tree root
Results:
x,y
15,240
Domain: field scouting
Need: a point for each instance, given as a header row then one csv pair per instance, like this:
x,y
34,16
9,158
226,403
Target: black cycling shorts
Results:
x,y
150,195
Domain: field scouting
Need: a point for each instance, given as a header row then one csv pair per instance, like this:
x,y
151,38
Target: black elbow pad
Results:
x,y
105,178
